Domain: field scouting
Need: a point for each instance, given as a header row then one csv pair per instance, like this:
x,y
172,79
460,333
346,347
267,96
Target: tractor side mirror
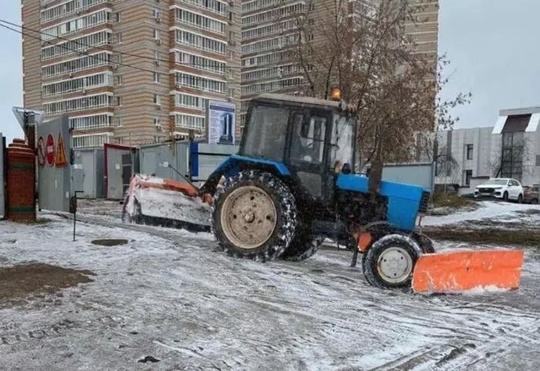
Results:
x,y
346,169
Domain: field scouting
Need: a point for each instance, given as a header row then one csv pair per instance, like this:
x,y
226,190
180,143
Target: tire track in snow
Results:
x,y
9,337
446,322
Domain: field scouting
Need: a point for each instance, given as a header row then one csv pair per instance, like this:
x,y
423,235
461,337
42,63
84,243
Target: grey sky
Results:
x,y
491,44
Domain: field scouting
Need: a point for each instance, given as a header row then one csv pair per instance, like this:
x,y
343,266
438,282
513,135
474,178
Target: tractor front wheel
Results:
x,y
389,262
425,243
254,216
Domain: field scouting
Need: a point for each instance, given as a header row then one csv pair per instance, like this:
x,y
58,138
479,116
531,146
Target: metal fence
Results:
x,y
418,173
205,158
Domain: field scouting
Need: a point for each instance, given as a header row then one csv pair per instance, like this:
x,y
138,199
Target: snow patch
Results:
x,y
487,209
483,290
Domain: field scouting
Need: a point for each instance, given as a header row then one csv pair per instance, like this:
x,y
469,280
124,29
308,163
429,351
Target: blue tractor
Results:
x,y
293,183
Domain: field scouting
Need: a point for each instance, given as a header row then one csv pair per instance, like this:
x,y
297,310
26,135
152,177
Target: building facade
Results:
x,y
510,149
131,71
270,35
424,31
463,156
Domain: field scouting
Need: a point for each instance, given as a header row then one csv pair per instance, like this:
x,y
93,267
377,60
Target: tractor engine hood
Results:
x,y
405,201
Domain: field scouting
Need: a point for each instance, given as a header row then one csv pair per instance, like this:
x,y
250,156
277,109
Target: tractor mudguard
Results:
x,y
235,163
379,229
365,238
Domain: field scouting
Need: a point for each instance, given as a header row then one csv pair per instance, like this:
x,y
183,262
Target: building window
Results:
x,y
469,151
467,175
117,37
157,99
117,17
156,77
156,34
537,160
157,124
510,163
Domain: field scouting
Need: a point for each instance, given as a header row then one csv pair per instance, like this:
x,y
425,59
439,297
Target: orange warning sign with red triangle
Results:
x,y
60,160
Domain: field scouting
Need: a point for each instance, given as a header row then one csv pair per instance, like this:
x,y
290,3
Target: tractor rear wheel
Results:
x,y
303,247
389,262
254,216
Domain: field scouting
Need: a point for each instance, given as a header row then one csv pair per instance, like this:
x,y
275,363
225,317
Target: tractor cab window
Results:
x,y
308,136
342,144
266,132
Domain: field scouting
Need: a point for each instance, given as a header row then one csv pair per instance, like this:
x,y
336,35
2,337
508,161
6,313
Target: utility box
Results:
x,y
89,162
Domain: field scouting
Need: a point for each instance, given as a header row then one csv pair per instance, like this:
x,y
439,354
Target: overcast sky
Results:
x,y
492,45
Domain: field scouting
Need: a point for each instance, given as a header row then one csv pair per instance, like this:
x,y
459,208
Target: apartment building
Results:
x,y
269,34
424,30
130,71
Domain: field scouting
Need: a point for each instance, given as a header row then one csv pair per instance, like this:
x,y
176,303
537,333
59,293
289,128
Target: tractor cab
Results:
x,y
313,138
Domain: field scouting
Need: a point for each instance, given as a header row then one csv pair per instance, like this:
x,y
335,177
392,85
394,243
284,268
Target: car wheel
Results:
x,y
534,201
505,196
520,199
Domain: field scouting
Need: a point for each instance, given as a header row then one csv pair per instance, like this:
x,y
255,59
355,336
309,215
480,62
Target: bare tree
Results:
x,y
512,158
379,70
447,167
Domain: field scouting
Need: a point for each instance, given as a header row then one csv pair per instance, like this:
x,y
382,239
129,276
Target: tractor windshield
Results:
x,y
266,132
342,145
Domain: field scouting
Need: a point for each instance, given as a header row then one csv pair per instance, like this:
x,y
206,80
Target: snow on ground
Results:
x,y
486,210
168,295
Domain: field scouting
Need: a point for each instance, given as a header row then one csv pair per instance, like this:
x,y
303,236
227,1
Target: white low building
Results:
x,y
467,157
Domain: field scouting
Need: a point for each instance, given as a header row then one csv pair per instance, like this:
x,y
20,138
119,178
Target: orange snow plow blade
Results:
x,y
459,271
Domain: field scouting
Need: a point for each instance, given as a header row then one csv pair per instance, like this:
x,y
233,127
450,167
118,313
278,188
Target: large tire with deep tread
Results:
x,y
303,247
285,210
370,260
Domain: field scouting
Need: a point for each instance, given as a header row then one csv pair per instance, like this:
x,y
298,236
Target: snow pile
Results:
x,y
483,290
172,205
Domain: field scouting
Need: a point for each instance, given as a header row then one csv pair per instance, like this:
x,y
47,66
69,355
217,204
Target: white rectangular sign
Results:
x,y
221,125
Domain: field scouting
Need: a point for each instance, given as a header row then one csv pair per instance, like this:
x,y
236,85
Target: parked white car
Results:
x,y
502,188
